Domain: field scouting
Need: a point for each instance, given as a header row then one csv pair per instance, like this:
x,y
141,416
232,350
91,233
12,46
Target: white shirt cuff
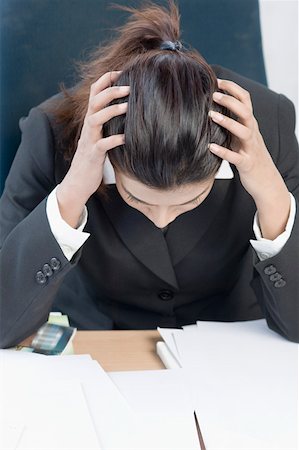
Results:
x,y
70,239
265,248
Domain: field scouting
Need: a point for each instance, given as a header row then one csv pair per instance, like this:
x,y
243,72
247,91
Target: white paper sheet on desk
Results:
x,y
153,431
11,431
244,380
154,390
54,413
163,411
117,425
167,335
106,404
36,366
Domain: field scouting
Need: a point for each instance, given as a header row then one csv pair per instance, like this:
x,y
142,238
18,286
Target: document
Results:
x,y
164,417
71,403
51,412
243,379
65,398
167,335
154,390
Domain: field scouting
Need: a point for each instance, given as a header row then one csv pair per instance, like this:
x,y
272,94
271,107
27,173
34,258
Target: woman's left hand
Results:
x,y
248,152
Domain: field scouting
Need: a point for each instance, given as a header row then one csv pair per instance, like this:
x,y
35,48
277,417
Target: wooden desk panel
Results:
x,y
120,350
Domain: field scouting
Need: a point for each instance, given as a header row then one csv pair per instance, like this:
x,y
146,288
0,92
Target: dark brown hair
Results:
x,y
167,127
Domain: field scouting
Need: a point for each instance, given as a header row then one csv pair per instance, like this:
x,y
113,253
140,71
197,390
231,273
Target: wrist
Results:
x,y
273,213
264,182
272,195
70,205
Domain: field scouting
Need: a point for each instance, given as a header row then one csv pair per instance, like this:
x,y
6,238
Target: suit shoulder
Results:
x,y
51,104
54,128
257,90
264,100
274,112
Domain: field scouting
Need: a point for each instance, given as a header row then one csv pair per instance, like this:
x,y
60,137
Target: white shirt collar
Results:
x,y
224,173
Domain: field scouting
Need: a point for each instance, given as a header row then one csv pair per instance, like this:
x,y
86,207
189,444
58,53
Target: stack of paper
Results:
x,y
240,378
243,379
52,397
70,403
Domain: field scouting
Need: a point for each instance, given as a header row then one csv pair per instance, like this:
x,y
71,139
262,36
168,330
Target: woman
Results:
x,y
200,221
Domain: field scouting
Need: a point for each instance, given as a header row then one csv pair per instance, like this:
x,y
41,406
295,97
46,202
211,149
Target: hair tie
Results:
x,y
169,45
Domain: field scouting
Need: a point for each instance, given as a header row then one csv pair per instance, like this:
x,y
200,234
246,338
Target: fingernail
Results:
x,y
217,95
216,116
214,147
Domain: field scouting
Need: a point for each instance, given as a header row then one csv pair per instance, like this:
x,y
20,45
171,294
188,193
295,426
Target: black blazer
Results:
x,y
128,275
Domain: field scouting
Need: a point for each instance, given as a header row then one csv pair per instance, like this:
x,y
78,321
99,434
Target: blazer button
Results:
x,y
55,264
275,276
280,283
165,295
47,270
40,277
268,270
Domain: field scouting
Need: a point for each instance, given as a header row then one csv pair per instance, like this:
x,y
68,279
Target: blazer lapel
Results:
x,y
141,236
189,228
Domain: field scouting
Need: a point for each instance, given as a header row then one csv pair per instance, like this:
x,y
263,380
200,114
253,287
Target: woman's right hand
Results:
x,y
86,171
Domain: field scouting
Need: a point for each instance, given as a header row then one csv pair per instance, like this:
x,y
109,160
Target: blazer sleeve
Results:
x,y
32,263
276,280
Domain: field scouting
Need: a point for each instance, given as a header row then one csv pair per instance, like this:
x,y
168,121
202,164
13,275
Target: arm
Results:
x,y
70,239
265,248
276,281
32,263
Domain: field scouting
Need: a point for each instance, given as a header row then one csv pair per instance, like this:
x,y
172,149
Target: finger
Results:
x,y
105,144
243,113
226,154
104,81
236,128
100,117
237,91
106,96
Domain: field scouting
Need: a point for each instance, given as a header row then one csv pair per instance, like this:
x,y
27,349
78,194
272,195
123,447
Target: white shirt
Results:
x,y
71,239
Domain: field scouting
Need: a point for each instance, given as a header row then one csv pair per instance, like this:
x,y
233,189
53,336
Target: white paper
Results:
x,y
152,431
54,413
164,416
11,431
189,327
244,379
166,356
105,403
92,411
154,390
167,335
